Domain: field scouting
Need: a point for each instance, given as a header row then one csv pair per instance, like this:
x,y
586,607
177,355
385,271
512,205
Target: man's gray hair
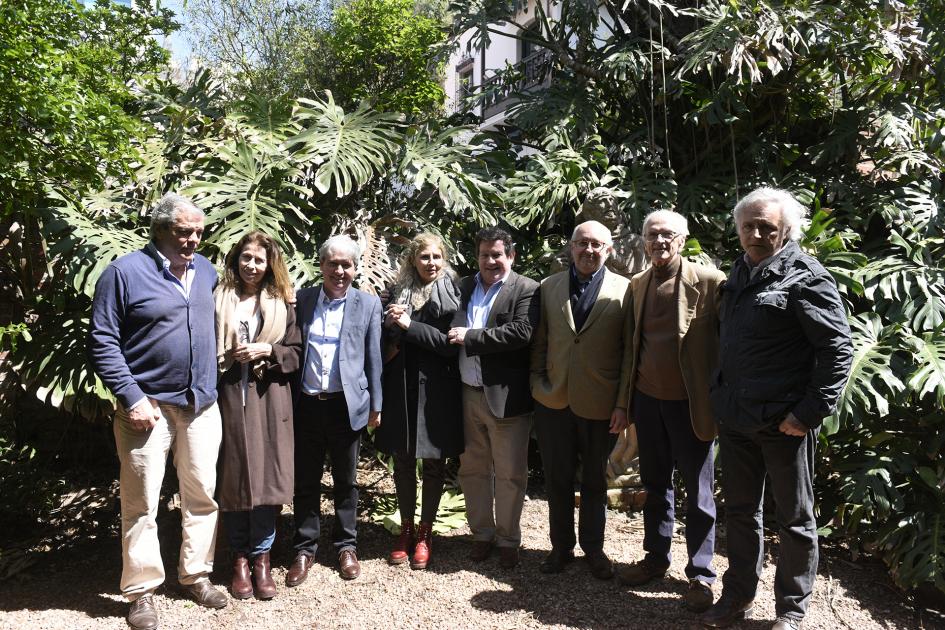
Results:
x,y
341,244
166,210
678,221
793,213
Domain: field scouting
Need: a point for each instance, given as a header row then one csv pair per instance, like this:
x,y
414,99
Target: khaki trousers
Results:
x,y
195,440
493,470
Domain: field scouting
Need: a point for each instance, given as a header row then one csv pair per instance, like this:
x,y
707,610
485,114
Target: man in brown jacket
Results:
x,y
579,380
675,351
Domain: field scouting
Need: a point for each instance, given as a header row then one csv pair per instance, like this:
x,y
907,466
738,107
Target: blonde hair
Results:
x,y
409,288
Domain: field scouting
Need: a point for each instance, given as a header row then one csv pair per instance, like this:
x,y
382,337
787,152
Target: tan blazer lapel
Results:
x,y
560,294
688,298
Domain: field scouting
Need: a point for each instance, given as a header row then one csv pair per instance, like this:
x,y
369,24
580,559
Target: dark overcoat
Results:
x,y
435,424
256,465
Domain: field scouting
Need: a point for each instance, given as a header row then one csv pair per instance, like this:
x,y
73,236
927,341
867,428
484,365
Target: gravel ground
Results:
x,y
77,589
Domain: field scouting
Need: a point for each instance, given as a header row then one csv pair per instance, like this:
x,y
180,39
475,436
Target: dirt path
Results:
x,y
77,589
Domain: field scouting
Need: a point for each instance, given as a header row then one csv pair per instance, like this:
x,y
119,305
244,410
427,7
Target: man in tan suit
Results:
x,y
675,351
580,379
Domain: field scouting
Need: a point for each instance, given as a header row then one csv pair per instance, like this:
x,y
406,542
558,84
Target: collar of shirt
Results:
x,y
167,263
495,286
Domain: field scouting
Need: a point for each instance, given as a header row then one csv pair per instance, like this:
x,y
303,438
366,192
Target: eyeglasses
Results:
x,y
595,246
652,237
244,332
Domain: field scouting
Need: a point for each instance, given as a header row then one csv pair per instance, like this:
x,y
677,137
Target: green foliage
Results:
x,y
65,87
382,51
450,515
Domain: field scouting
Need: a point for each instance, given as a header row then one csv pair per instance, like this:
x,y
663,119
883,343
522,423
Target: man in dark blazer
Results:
x,y
337,394
494,327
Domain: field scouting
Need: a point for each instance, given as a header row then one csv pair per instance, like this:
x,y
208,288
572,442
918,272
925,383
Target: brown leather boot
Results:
x,y
265,586
241,585
404,544
421,551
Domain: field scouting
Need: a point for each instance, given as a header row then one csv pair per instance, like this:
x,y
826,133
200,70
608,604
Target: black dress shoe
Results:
x,y
348,566
555,560
726,611
142,615
600,564
481,549
299,569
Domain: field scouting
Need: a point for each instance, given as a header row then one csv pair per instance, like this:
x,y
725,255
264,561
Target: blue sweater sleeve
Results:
x,y
104,347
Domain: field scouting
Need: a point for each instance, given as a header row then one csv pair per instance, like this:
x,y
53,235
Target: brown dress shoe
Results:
x,y
726,611
555,560
299,569
480,550
241,586
348,566
265,586
508,557
641,572
699,596
142,615
204,593
600,564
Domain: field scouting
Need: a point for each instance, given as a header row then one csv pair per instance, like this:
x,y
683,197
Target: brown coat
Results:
x,y
698,323
256,465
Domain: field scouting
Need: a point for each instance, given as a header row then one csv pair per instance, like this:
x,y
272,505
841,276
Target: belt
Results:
x,y
325,395
478,388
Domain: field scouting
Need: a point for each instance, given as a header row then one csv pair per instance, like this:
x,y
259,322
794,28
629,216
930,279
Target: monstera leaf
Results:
x,y
345,150
872,382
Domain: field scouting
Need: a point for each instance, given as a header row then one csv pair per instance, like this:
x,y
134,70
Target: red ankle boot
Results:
x,y
404,544
421,552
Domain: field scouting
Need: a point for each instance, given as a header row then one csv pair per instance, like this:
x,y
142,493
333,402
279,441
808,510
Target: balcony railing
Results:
x,y
534,73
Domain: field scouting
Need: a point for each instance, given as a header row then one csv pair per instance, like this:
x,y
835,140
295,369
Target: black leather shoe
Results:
x,y
555,560
348,566
299,569
142,615
641,572
204,593
481,549
726,611
600,564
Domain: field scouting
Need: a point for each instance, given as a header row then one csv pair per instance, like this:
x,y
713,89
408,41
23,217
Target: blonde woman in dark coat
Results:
x,y
422,397
258,348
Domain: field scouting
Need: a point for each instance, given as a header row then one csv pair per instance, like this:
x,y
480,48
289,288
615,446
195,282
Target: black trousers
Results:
x,y
668,444
563,439
322,427
405,480
789,464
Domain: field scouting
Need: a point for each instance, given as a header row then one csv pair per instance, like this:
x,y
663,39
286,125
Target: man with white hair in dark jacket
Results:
x,y
785,353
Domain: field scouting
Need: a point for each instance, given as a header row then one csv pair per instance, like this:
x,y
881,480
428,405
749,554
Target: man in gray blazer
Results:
x,y
494,327
338,393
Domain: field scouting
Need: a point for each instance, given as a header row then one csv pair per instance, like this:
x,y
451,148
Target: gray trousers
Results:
x,y
789,463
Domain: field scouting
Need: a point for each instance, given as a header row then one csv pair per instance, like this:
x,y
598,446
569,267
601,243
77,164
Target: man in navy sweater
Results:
x,y
152,343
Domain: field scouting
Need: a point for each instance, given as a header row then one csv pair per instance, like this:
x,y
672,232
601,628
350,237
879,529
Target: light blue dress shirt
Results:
x,y
477,314
322,374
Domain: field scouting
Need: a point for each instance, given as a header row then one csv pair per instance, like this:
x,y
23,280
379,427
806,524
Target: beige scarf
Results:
x,y
272,311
